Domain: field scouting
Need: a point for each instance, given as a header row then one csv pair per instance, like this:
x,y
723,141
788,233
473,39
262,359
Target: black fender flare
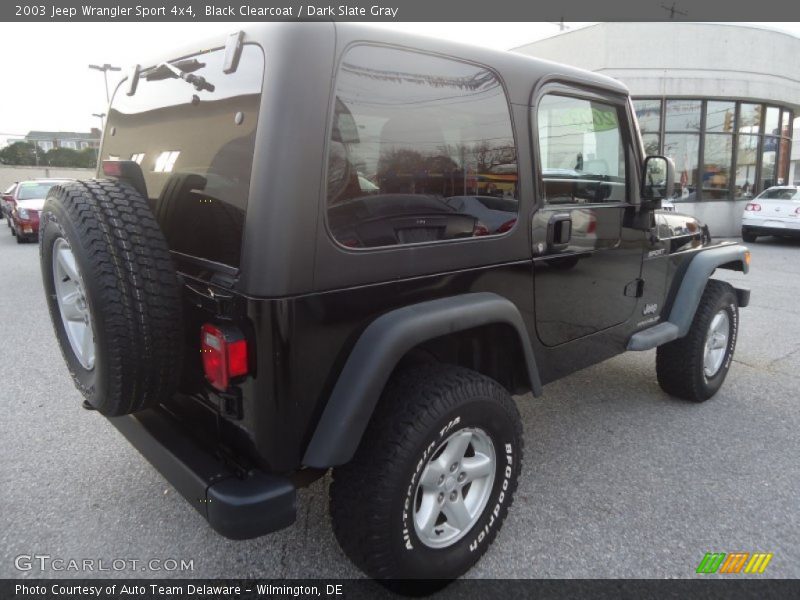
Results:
x,y
687,297
379,349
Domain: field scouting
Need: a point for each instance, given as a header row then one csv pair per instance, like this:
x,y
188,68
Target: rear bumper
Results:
x,y
761,226
771,230
26,228
236,507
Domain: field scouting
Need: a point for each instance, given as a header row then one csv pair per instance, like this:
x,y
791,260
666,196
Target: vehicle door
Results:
x,y
586,256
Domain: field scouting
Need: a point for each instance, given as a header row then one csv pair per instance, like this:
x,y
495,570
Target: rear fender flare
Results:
x,y
379,349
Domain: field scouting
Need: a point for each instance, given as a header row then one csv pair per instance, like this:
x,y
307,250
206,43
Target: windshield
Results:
x,y
30,191
781,194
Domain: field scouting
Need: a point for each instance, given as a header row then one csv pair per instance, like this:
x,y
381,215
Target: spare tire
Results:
x,y
113,294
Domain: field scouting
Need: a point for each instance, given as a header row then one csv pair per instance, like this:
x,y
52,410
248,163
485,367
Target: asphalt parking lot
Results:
x,y
619,479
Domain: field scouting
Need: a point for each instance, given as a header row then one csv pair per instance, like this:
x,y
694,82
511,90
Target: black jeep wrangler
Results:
x,y
323,246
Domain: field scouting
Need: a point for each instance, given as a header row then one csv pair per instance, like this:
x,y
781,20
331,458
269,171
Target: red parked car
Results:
x,y
23,205
6,198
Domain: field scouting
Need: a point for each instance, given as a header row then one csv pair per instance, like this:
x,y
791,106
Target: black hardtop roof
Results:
x,y
518,71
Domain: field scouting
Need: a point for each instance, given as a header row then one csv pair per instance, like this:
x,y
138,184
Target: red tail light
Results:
x,y
507,226
224,352
753,207
480,229
112,168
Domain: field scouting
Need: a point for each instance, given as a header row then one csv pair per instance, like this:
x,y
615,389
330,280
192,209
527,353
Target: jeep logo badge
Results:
x,y
650,309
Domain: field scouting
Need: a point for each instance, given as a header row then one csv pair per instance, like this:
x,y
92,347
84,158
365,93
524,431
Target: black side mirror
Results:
x,y
658,181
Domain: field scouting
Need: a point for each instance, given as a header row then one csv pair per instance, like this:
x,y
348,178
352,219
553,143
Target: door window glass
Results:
x,y
581,151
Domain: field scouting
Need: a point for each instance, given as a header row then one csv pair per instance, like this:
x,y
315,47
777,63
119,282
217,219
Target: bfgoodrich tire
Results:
x,y
695,366
433,477
113,294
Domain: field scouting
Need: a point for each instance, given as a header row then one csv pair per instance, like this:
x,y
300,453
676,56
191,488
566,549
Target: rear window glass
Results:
x,y
31,191
421,150
781,194
195,148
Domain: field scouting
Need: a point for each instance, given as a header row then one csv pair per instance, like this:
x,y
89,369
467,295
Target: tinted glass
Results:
x,y
683,149
772,123
652,144
717,166
768,163
721,116
648,113
421,150
194,148
682,115
749,118
746,156
783,161
781,194
786,123
581,151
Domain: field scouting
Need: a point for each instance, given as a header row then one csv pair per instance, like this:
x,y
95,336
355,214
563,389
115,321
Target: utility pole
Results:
x,y
105,69
101,116
674,11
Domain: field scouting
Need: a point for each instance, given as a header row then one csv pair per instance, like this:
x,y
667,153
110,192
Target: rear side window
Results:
x,y
781,194
421,150
581,151
195,148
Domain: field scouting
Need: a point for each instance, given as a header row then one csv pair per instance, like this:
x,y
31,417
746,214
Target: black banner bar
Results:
x,y
734,588
398,10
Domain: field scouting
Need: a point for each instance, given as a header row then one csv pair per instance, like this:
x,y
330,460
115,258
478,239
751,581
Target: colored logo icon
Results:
x,y
735,562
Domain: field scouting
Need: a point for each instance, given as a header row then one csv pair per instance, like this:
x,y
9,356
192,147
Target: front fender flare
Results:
x,y
379,349
687,298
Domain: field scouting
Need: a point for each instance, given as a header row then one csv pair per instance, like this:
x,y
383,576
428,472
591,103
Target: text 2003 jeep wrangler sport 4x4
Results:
x,y
322,246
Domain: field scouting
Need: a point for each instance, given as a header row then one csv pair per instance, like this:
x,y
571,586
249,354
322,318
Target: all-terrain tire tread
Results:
x,y
413,401
137,290
676,360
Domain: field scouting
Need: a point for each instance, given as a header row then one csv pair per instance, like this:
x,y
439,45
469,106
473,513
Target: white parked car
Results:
x,y
775,211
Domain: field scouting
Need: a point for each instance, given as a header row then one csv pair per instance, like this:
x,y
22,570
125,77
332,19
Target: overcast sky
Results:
x,y
45,82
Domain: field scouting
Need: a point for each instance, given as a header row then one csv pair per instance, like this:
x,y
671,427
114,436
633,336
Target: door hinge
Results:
x,y
635,289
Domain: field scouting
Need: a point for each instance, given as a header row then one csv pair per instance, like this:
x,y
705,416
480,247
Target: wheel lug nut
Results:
x,y
453,496
461,477
441,498
453,467
441,479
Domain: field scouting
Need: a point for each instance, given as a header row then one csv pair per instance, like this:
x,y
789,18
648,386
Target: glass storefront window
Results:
x,y
749,118
720,116
718,155
786,124
683,149
758,137
651,144
682,115
746,155
772,123
783,161
648,113
768,163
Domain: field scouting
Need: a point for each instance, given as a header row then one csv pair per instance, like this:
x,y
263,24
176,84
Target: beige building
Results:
x,y
722,100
